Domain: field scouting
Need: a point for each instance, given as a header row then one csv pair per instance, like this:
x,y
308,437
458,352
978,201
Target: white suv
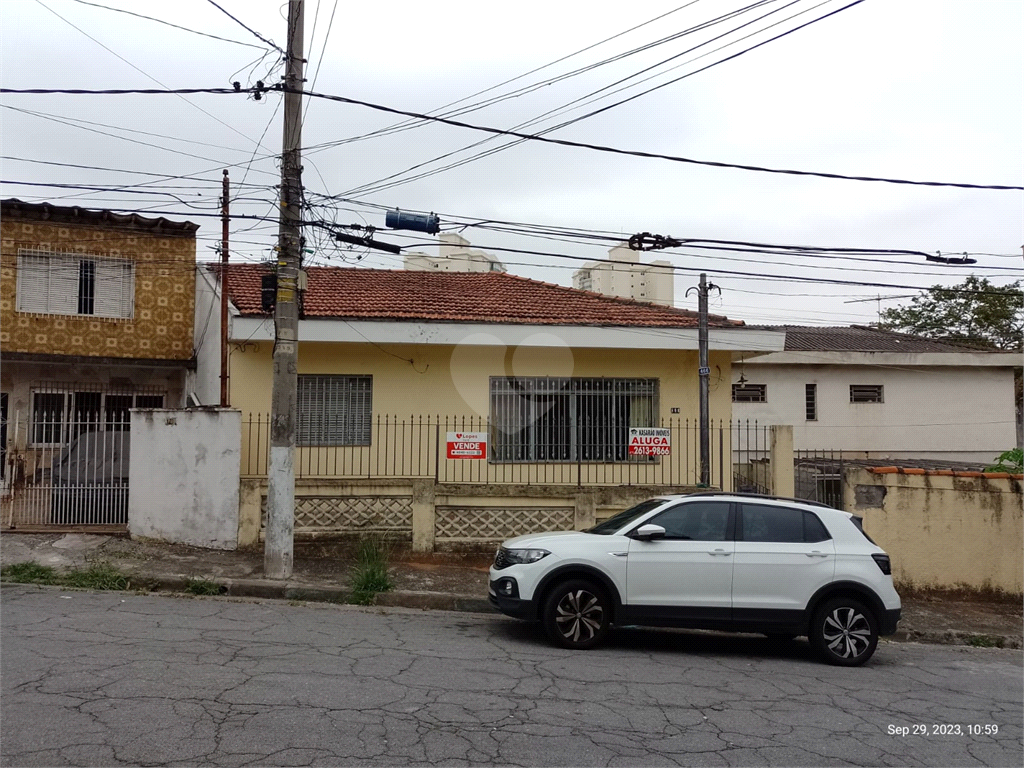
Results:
x,y
725,561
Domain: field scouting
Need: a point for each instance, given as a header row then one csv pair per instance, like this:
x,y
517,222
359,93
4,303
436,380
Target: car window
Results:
x,y
760,522
612,524
696,520
814,529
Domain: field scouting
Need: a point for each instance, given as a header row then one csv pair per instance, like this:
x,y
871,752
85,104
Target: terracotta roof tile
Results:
x,y
475,297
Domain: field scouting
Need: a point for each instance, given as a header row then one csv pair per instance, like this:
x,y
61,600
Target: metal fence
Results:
x,y
417,447
819,476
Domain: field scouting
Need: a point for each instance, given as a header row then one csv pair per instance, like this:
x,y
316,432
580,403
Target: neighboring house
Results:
x,y
623,275
455,256
879,394
96,318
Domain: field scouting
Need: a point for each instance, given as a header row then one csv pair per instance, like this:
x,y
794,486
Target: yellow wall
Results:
x,y
164,293
450,380
943,531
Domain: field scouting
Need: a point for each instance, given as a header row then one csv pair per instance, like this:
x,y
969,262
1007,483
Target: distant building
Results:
x,y
455,256
623,275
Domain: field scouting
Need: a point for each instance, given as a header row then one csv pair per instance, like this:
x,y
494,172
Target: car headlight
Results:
x,y
523,556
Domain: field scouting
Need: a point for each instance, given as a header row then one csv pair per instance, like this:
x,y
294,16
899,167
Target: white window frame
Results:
x,y
862,393
49,284
749,391
68,417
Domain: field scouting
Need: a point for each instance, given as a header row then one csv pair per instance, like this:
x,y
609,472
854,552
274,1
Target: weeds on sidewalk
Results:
x,y
370,574
96,576
202,587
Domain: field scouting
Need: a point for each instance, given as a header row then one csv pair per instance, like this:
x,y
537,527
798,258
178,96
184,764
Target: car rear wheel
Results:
x,y
577,614
844,632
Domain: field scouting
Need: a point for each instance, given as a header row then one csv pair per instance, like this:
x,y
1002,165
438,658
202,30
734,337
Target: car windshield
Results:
x,y
612,524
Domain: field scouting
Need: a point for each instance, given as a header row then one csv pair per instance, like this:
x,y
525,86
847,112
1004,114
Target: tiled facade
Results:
x,y
162,323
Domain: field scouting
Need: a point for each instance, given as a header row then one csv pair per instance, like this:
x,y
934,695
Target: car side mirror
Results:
x,y
648,532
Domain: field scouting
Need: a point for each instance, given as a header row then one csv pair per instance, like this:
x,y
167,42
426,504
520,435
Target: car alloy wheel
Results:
x,y
845,632
577,615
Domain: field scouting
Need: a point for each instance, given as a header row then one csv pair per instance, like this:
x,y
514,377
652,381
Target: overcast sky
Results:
x,y
908,89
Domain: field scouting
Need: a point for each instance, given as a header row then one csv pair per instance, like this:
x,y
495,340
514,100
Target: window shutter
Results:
x,y
33,282
63,295
115,288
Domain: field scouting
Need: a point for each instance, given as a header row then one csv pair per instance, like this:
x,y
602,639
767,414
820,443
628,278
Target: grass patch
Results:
x,y
202,587
96,576
985,641
370,574
29,573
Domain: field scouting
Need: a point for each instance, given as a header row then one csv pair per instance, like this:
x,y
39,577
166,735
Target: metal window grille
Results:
x,y
60,414
865,393
68,283
335,410
549,419
811,402
750,393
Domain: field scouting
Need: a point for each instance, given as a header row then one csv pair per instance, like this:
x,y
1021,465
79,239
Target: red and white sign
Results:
x,y
467,445
650,441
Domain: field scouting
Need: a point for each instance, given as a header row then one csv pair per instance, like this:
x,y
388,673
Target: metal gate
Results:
x,y
819,476
72,467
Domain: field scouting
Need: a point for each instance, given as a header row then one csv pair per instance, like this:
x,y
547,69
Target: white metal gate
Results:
x,y
72,466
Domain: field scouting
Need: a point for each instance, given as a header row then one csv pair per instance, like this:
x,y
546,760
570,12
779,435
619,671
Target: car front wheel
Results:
x,y
577,614
844,632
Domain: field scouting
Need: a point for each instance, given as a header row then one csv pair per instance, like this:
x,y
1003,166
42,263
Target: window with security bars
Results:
x,y
335,410
865,393
74,284
811,402
59,415
549,419
750,393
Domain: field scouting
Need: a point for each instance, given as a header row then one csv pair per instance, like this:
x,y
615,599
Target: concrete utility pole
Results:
x,y
704,373
277,552
224,217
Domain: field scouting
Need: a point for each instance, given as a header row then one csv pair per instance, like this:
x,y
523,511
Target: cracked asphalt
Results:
x,y
93,679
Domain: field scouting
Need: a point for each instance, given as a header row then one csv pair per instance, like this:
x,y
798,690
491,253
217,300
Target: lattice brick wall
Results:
x,y
499,522
355,513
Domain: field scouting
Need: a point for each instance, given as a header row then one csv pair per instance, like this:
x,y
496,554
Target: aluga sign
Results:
x,y
650,441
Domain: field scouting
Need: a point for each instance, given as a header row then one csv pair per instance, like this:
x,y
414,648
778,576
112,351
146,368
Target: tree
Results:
x,y
975,312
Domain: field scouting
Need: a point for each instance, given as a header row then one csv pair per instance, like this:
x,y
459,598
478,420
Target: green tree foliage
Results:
x,y
975,312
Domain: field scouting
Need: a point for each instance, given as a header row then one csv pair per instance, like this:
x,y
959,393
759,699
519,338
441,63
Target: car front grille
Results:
x,y
501,560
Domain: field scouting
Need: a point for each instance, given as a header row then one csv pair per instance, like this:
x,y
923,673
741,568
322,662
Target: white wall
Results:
x,y
183,476
959,413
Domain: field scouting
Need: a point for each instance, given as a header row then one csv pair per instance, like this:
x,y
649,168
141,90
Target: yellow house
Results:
x,y
96,317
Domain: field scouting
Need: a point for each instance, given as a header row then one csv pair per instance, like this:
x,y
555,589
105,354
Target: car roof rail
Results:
x,y
769,496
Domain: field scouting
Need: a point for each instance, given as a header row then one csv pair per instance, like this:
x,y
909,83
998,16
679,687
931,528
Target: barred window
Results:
x,y
74,284
750,393
547,419
865,393
59,415
335,410
811,402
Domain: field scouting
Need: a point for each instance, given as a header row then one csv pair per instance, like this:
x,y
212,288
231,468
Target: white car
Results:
x,y
723,561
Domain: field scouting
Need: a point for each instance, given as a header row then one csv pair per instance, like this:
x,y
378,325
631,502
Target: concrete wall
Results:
x,y
943,530
182,476
205,383
963,413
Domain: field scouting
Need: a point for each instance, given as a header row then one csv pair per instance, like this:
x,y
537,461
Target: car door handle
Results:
x,y
719,553
817,553
619,554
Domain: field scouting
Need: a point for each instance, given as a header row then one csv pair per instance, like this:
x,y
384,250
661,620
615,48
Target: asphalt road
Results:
x,y
111,678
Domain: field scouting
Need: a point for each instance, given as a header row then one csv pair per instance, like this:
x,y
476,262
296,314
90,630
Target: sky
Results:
x,y
925,90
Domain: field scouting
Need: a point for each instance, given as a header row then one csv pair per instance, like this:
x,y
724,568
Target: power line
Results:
x,y
272,44
169,24
501,132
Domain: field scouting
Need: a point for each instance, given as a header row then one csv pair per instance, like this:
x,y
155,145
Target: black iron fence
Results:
x,y
458,449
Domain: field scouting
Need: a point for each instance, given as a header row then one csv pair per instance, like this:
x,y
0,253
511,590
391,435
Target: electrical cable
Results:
x,y
272,44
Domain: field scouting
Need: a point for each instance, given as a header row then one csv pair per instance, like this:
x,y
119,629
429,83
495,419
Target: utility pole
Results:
x,y
278,546
704,375
224,216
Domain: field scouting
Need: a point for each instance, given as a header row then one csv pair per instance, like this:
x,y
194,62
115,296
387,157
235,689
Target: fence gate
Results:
x,y
819,476
73,467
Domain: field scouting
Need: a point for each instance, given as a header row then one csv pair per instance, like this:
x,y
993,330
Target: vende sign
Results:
x,y
650,441
467,445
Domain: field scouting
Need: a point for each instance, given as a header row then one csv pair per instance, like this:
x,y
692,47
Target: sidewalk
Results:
x,y
442,582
